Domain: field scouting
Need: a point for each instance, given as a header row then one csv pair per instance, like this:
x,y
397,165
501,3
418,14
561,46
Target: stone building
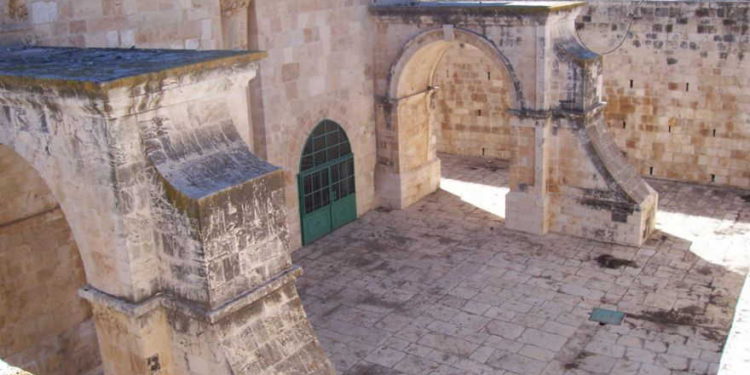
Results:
x,y
161,160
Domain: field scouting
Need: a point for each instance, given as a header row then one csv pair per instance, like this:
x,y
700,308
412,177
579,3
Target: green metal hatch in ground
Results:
x,y
326,182
604,316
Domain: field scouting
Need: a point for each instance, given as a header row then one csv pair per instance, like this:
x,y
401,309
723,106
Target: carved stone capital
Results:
x,y
231,6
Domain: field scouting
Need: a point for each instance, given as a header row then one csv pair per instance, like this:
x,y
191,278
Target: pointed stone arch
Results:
x,y
409,168
433,42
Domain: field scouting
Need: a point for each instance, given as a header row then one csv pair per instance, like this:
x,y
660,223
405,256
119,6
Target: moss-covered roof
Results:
x,y
98,64
96,67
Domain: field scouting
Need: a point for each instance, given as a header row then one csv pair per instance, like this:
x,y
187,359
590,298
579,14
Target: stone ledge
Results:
x,y
475,7
96,70
171,302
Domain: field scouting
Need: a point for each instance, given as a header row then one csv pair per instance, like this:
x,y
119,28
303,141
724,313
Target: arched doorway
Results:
x,y
451,92
326,182
45,328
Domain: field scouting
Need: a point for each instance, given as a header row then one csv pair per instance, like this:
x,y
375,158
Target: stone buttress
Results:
x,y
181,229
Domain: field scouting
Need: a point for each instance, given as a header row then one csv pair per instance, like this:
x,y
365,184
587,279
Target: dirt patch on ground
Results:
x,y
576,361
370,369
715,335
609,261
373,300
721,300
490,164
685,316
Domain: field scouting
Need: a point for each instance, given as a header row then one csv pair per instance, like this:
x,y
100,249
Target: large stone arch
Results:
x,y
47,328
564,170
408,165
75,166
439,39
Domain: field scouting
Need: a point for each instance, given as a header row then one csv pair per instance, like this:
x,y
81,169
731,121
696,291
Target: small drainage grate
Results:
x,y
604,316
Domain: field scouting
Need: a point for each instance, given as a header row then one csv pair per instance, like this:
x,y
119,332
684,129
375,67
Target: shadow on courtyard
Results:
x,y
443,288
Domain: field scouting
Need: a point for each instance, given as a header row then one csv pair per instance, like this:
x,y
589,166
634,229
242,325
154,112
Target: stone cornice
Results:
x,y
510,8
174,303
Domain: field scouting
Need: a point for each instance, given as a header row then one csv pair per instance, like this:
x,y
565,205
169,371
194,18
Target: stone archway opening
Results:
x,y
474,140
45,327
450,98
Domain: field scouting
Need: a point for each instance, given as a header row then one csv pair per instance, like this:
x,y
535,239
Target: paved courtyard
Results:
x,y
443,288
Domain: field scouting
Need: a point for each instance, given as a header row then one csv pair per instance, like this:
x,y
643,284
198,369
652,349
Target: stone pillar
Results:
x,y
527,203
413,171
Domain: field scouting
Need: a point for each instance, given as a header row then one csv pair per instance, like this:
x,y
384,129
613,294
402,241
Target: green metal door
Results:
x,y
316,211
343,199
326,182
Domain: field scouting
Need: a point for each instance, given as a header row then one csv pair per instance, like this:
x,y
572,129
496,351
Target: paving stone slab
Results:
x,y
445,285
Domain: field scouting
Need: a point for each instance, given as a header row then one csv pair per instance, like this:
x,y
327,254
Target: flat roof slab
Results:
x,y
108,65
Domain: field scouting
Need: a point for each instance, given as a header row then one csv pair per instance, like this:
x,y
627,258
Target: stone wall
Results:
x,y
111,23
472,105
677,87
319,66
45,327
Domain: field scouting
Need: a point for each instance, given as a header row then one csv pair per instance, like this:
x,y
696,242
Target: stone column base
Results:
x,y
526,212
263,331
401,190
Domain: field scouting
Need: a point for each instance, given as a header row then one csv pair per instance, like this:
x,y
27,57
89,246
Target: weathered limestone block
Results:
x,y
199,232
595,192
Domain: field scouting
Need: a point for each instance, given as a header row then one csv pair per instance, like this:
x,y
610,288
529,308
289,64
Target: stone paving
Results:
x,y
443,288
